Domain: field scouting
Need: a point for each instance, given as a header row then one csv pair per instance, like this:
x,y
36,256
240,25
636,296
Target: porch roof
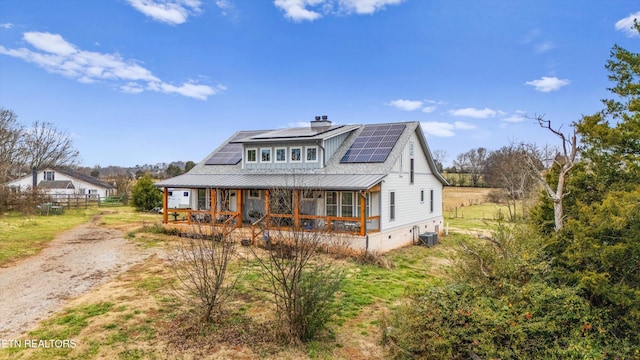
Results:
x,y
273,181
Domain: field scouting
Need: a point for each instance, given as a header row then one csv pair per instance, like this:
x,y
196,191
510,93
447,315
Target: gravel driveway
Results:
x,y
77,260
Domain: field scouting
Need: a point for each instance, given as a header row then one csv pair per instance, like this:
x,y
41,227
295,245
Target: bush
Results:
x,y
536,321
503,302
145,196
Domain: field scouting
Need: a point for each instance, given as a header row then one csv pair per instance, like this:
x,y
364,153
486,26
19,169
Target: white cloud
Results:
x,y
463,125
474,113
406,105
367,6
428,109
544,47
168,11
547,84
310,10
519,116
626,25
56,55
6,26
224,5
437,128
445,129
51,43
296,10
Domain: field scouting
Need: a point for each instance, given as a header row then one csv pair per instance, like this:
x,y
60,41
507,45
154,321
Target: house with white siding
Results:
x,y
376,183
62,181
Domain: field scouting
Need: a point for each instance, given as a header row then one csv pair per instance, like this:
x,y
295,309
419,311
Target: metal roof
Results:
x,y
271,181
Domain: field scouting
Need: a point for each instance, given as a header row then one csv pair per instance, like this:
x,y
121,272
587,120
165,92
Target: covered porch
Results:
x,y
256,211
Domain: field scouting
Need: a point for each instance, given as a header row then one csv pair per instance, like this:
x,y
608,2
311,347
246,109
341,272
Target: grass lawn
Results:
x,y
140,316
22,236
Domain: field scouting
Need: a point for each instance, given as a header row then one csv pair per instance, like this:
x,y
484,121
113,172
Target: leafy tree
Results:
x,y
189,165
173,170
599,250
145,196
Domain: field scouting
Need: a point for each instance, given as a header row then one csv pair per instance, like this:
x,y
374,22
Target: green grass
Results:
x,y
22,236
413,269
128,215
476,217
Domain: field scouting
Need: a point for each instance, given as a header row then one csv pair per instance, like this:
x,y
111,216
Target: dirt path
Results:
x,y
73,263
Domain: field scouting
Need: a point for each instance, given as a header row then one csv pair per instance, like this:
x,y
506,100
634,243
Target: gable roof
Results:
x,y
217,171
86,178
56,184
70,173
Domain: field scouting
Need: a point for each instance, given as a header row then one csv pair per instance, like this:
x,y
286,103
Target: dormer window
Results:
x,y
265,155
281,155
296,154
252,155
312,154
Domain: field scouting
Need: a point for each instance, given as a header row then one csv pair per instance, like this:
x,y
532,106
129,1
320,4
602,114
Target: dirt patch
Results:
x,y
73,263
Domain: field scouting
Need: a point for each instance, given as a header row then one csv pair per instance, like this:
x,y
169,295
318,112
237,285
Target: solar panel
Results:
x,y
231,153
373,144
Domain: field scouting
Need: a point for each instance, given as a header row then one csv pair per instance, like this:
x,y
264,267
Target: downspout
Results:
x,y
324,157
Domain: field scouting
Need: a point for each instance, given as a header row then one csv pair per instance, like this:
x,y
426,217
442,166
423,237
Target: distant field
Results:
x,y
469,209
464,196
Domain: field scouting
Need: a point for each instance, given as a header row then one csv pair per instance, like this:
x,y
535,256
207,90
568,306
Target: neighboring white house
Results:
x,y
376,182
62,181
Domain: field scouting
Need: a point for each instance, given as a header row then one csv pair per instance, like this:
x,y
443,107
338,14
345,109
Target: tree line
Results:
x,y
565,282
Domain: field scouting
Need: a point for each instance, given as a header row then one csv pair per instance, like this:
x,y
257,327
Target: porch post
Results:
x,y
267,200
165,205
240,201
363,213
296,208
214,205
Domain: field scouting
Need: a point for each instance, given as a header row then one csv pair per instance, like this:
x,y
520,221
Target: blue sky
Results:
x,y
147,81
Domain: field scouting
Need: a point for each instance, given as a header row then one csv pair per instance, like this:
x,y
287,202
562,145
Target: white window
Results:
x,y
331,204
265,155
281,155
392,205
252,155
347,204
421,196
296,155
312,154
431,200
254,194
49,175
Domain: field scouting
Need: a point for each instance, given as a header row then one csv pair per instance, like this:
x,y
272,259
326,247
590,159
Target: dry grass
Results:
x,y
148,320
464,196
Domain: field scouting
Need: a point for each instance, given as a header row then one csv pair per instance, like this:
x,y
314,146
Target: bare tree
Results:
x,y
565,161
472,162
300,286
510,168
46,146
201,265
11,146
439,157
